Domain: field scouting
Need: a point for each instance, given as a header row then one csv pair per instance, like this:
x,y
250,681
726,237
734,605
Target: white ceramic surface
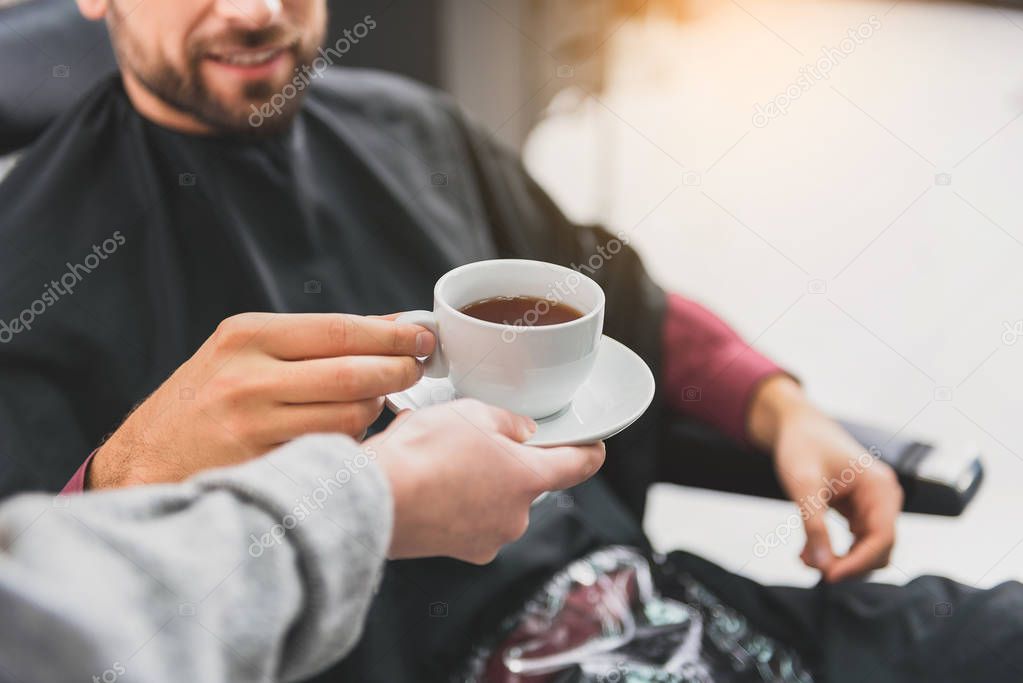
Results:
x,y
532,371
616,393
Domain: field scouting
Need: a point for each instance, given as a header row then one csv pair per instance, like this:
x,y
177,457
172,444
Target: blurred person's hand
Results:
x,y
820,466
261,380
463,482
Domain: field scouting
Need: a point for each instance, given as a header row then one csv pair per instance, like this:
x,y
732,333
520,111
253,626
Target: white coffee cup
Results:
x,y
530,370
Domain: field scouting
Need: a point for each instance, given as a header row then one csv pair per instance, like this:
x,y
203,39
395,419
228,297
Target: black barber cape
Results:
x,y
123,245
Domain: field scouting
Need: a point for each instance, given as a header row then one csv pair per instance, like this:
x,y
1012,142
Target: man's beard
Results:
x,y
188,91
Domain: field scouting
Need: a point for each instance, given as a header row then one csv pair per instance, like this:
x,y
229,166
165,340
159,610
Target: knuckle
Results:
x,y
815,525
262,383
235,331
241,429
519,529
344,382
355,419
581,472
351,422
482,556
340,331
373,409
403,339
409,372
500,419
366,414
472,409
228,387
468,404
587,466
487,558
532,491
887,475
513,528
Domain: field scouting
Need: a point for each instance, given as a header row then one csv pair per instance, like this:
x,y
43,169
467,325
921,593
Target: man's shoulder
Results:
x,y
70,183
379,95
73,154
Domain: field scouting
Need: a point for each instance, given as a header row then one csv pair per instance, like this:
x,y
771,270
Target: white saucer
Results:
x,y
617,392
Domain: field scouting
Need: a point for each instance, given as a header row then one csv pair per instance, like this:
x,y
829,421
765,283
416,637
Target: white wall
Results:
x,y
845,188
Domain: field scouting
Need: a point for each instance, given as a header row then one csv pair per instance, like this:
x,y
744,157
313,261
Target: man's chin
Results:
x,y
268,117
259,111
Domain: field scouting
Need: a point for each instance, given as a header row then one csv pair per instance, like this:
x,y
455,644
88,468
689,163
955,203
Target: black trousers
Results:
x,y
931,630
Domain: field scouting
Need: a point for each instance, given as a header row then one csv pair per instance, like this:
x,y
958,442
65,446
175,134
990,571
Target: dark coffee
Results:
x,y
530,311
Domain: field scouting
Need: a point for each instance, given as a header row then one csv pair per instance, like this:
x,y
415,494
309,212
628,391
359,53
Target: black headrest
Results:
x,y
50,55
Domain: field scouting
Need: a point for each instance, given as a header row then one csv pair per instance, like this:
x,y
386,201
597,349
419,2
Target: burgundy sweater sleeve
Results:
x,y
709,372
76,484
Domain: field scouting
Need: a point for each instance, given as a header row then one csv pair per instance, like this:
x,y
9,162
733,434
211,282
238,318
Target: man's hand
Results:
x,y
463,482
261,380
820,465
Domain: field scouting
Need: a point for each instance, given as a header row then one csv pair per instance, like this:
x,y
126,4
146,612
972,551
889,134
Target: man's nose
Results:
x,y
249,13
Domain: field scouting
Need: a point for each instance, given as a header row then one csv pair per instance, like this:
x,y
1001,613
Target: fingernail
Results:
x,y
530,426
423,343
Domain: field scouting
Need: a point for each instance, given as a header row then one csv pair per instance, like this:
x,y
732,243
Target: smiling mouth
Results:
x,y
249,58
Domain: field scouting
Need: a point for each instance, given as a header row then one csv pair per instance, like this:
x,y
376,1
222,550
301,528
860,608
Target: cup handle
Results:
x,y
436,365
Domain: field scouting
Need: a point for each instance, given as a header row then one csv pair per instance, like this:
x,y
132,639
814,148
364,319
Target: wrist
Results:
x,y
103,472
116,464
776,400
401,478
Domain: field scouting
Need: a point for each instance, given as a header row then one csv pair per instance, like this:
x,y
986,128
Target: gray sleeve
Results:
x,y
260,572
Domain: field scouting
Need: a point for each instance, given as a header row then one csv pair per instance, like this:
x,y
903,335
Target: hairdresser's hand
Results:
x,y
820,466
261,380
463,482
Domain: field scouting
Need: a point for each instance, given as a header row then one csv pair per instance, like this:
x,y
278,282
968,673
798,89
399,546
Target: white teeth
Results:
x,y
248,58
